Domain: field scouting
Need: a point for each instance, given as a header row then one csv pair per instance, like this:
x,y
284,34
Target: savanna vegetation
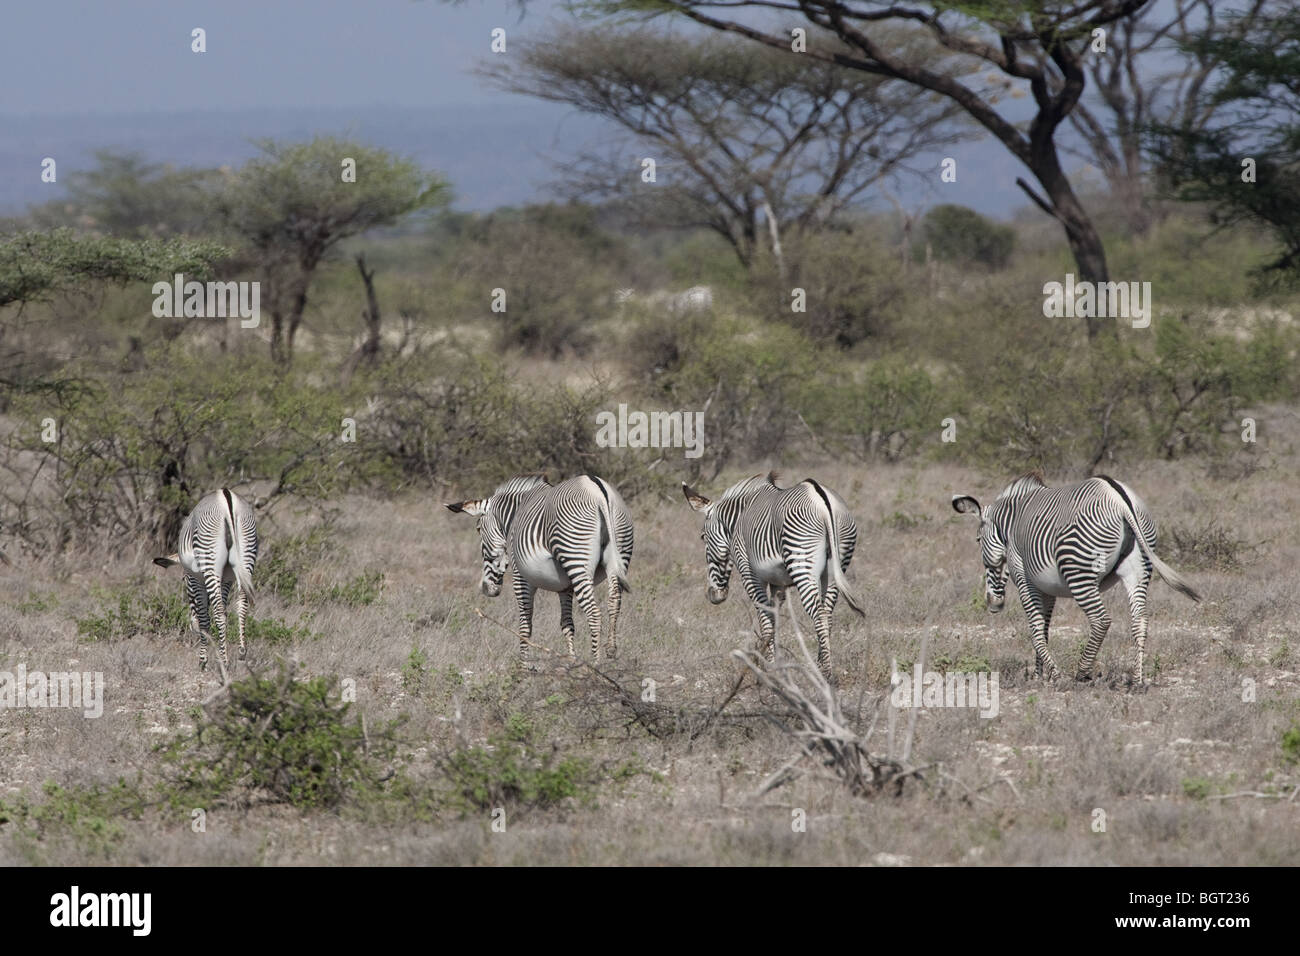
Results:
x,y
409,352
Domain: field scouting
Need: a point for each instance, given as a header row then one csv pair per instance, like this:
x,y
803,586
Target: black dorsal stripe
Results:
x,y
822,491
1127,544
601,485
1120,488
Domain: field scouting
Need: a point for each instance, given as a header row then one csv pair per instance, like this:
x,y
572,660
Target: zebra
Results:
x,y
565,538
776,538
218,548
1074,541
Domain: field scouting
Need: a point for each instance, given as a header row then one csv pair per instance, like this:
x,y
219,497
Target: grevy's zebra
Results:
x,y
801,537
218,548
566,538
1074,541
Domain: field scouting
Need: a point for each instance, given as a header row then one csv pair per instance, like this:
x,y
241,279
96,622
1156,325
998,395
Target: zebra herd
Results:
x,y
1074,541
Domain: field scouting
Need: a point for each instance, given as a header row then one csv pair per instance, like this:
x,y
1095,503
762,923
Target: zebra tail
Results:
x,y
1167,574
613,559
833,544
242,577
840,582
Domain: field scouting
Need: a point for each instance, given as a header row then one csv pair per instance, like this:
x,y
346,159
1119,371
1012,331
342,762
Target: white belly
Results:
x,y
545,573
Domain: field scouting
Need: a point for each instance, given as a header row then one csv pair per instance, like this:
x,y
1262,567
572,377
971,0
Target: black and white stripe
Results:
x,y
217,550
1074,541
565,538
775,538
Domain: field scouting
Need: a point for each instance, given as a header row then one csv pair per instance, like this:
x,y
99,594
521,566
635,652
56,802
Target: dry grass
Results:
x,y
676,777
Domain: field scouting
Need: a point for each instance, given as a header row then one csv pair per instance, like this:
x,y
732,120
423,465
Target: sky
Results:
x,y
79,76
127,56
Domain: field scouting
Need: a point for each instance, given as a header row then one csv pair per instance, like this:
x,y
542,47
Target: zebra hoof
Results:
x,y
243,653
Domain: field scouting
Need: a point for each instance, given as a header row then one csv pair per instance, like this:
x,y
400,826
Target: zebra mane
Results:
x,y
1025,484
513,487
748,486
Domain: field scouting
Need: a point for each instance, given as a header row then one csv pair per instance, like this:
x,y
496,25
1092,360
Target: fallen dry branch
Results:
x,y
813,717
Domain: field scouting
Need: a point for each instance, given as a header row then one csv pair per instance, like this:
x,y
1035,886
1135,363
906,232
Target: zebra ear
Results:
x,y
965,504
469,507
168,561
697,501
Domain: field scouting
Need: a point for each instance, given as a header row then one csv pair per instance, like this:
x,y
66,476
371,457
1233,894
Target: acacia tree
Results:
x,y
1138,82
1041,44
126,195
293,205
1246,163
753,143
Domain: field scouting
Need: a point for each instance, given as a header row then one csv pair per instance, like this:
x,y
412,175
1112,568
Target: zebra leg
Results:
x,y
1084,589
1136,575
566,619
764,600
810,597
1047,604
241,616
1034,603
218,611
615,603
199,619
524,593
584,591
240,609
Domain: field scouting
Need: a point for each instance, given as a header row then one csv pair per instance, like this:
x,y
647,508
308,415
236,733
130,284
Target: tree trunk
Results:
x,y
775,230
295,317
370,348
277,337
1062,203
368,351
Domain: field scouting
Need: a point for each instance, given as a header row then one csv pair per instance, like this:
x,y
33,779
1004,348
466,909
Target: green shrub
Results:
x,y
134,614
466,421
270,632
1291,744
91,816
360,591
554,271
963,237
514,772
877,410
285,740
416,669
750,379
287,560
135,452
853,287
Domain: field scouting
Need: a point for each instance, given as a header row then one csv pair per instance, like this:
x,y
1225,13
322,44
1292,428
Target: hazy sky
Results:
x,y
110,56
70,71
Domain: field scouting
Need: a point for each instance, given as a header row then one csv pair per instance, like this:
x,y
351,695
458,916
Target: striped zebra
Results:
x,y
566,538
1074,541
775,538
218,548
